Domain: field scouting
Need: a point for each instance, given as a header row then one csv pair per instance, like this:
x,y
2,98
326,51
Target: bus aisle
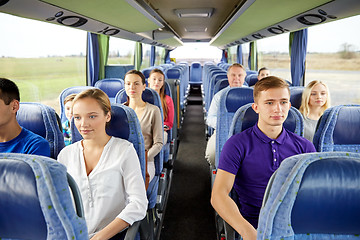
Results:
x,y
189,214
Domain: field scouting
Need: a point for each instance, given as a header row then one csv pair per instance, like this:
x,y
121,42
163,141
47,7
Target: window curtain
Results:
x,y
138,56
239,54
253,56
297,50
152,56
96,57
224,58
167,56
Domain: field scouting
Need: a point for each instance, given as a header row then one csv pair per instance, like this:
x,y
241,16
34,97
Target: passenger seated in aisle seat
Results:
x,y
248,159
156,81
263,72
149,117
236,76
315,100
105,168
14,138
68,113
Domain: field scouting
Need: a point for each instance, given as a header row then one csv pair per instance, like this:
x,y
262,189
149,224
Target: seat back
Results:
x,y
195,73
296,95
111,86
313,196
123,124
231,100
338,129
44,121
35,200
66,92
246,117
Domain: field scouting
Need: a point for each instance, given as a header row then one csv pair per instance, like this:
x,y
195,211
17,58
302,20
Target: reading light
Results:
x,y
194,12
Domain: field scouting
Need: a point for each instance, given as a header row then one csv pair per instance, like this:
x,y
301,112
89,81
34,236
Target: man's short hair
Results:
x,y
8,91
236,65
269,83
262,69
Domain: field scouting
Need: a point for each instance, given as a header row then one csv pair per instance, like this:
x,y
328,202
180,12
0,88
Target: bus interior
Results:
x,y
120,35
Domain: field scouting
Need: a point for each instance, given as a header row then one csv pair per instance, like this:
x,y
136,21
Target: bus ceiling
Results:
x,y
168,24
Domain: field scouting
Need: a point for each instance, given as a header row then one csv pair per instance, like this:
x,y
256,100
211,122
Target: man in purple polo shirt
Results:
x,y
248,159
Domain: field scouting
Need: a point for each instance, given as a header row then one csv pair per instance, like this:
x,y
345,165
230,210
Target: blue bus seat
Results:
x,y
66,92
313,196
296,96
195,73
338,129
111,86
251,79
44,121
35,200
230,102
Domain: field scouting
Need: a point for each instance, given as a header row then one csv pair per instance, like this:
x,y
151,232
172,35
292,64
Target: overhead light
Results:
x,y
194,12
195,29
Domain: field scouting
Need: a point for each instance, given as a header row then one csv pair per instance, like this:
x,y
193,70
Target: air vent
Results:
x,y
194,12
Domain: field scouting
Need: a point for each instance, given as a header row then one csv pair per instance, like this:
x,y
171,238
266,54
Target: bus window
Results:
x,y
159,55
245,51
333,57
41,58
232,56
121,51
201,52
146,51
273,53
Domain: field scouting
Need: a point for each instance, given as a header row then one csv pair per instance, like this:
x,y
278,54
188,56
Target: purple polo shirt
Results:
x,y
253,157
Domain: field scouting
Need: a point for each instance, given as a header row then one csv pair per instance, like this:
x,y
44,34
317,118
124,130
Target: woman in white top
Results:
x,y
149,117
106,169
315,100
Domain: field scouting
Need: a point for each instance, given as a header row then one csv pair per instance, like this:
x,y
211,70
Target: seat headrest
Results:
x,y
146,72
327,201
173,73
21,215
118,125
347,129
237,97
30,116
196,65
295,96
251,79
110,86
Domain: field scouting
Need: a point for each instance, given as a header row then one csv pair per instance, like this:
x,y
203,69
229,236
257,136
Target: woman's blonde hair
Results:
x,y
162,92
304,108
98,95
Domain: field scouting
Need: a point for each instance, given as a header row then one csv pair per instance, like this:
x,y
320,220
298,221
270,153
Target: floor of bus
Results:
x,y
189,214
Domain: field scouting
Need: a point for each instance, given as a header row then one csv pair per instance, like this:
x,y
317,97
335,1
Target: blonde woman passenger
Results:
x,y
106,169
156,81
315,100
149,117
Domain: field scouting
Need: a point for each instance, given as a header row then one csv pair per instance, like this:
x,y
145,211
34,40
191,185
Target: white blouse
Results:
x,y
114,188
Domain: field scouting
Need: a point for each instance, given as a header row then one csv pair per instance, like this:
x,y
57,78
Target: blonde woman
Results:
x,y
315,100
106,169
149,117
